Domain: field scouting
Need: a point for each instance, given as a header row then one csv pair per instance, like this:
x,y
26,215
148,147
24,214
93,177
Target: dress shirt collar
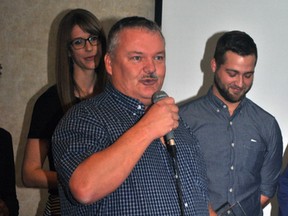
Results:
x,y
219,104
126,102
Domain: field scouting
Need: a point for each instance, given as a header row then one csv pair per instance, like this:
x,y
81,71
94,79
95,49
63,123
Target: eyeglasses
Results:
x,y
80,43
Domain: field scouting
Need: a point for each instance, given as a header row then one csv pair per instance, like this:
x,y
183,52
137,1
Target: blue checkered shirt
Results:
x,y
150,189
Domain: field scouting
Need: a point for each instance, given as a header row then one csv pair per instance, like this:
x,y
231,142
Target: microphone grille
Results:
x,y
158,96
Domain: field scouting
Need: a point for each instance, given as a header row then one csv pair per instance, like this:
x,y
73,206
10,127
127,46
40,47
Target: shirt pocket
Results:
x,y
252,154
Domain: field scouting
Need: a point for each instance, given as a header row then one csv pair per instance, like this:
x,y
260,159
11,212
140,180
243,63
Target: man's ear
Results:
x,y
213,65
108,63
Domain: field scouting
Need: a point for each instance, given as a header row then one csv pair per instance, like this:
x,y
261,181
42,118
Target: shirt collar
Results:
x,y
125,101
219,104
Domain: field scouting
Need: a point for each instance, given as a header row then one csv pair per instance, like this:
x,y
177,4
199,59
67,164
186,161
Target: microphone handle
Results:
x,y
169,137
171,148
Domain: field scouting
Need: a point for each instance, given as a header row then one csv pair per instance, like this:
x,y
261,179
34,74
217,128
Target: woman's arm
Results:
x,y
33,173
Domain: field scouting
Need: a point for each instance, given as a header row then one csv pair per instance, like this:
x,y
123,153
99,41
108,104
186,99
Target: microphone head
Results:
x,y
158,96
155,98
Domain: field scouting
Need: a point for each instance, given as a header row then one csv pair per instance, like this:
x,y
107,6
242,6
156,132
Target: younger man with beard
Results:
x,y
242,143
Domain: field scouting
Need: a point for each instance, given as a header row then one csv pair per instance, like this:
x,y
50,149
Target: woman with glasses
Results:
x,y
80,74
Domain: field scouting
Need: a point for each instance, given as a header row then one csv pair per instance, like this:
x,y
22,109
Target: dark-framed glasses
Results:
x,y
80,43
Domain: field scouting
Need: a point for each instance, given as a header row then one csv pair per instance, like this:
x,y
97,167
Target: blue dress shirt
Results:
x,y
243,152
283,193
150,188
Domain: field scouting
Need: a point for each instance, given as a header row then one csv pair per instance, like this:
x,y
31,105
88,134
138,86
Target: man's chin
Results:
x,y
234,99
150,90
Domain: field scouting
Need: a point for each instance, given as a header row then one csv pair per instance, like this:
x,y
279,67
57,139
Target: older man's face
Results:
x,y
137,67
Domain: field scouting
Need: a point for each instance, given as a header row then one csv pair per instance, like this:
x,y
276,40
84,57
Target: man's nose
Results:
x,y
149,66
239,81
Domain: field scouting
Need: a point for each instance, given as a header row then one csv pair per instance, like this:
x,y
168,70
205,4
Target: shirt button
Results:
x,y
186,205
228,212
139,107
231,190
224,106
231,122
218,110
232,144
232,167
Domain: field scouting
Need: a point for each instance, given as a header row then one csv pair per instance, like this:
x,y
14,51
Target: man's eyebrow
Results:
x,y
232,70
161,52
135,52
236,71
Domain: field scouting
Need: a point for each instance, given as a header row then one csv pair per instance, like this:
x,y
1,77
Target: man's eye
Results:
x,y
159,58
249,75
136,58
231,74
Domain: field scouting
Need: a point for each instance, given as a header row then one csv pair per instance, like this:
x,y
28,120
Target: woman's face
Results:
x,y
88,57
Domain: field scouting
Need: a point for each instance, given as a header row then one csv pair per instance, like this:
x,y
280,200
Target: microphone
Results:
x,y
169,137
171,148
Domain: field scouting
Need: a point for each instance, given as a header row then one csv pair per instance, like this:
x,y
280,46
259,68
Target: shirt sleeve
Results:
x,y
273,161
78,136
46,114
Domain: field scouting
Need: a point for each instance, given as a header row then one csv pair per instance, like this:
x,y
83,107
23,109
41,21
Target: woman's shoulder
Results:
x,y
4,134
49,96
5,140
48,102
50,92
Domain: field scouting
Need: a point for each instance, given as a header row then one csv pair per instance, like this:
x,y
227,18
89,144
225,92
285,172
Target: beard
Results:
x,y
224,91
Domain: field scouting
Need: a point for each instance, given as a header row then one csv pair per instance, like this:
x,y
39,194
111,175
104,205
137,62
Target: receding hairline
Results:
x,y
116,36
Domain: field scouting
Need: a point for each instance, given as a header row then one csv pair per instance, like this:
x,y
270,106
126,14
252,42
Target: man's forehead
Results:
x,y
138,30
139,37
